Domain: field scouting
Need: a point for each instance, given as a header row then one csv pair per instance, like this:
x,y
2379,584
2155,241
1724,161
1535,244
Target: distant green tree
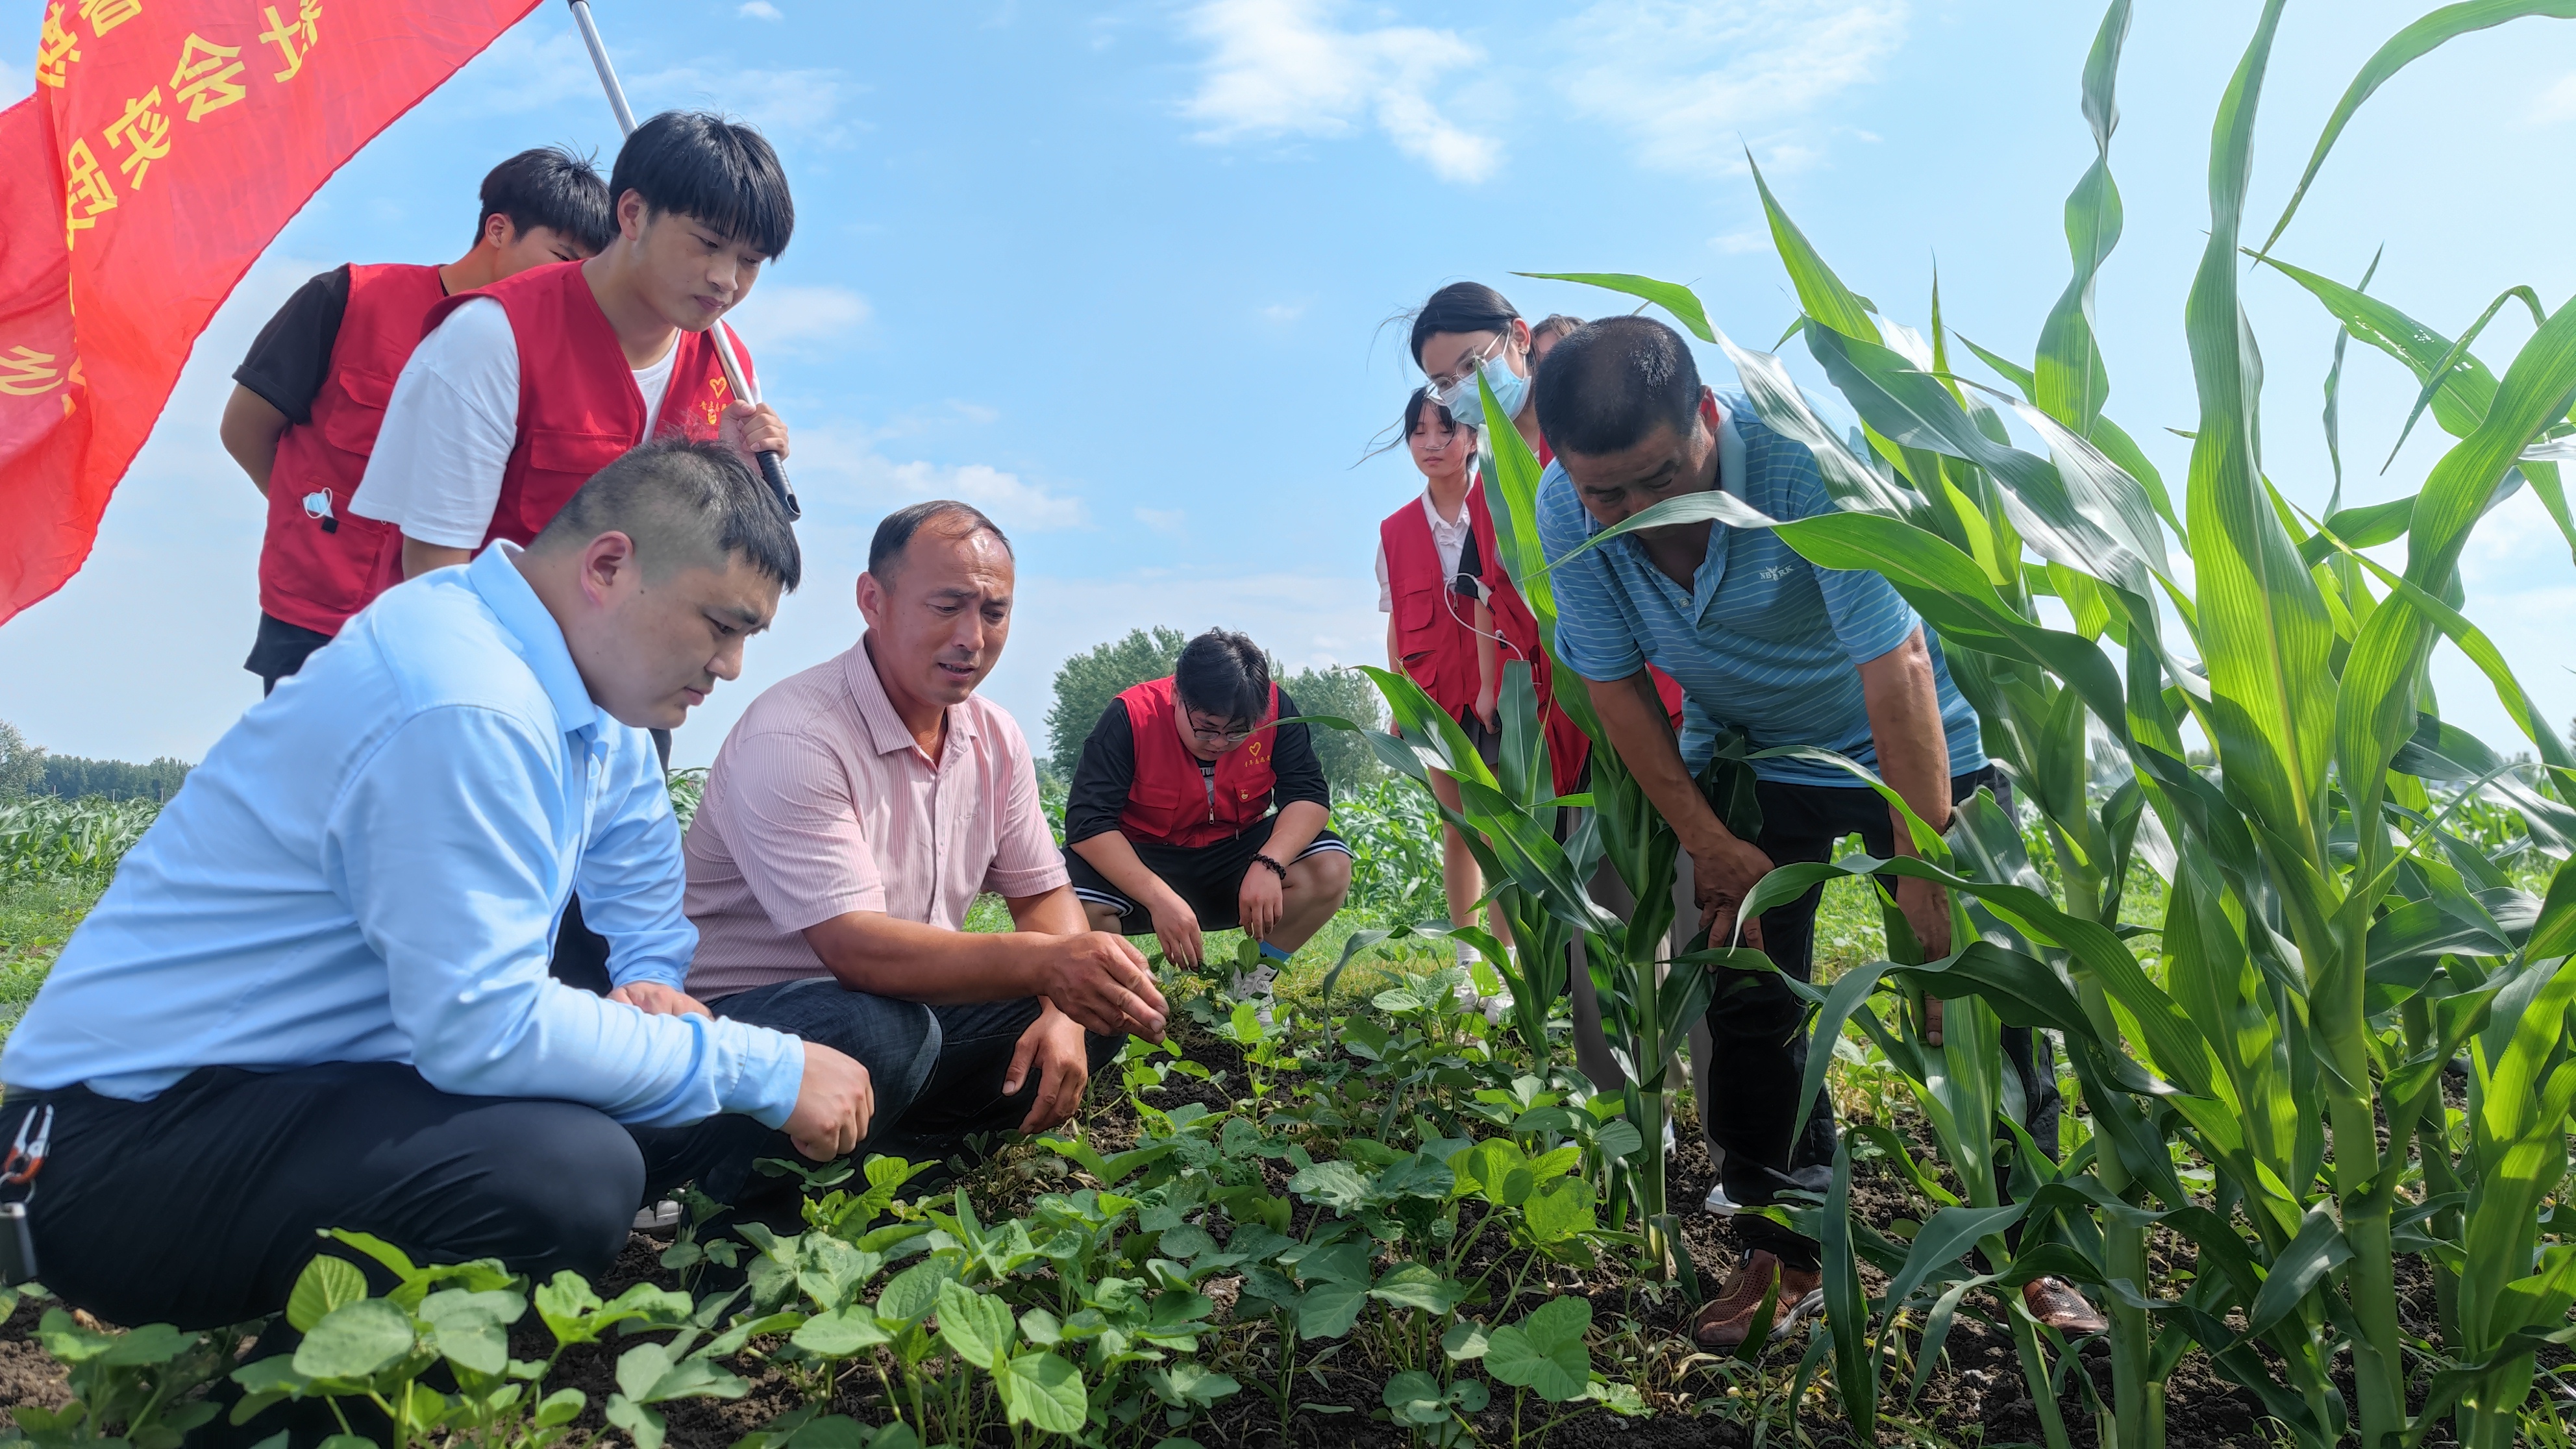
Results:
x,y
1350,695
72,777
22,765
1086,683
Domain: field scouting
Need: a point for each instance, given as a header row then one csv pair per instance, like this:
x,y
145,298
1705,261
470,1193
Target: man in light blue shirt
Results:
x,y
316,993
1784,653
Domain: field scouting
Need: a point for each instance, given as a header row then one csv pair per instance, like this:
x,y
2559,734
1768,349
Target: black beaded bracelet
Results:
x,y
1276,868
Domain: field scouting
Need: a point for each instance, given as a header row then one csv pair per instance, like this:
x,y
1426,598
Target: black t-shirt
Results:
x,y
1108,768
292,354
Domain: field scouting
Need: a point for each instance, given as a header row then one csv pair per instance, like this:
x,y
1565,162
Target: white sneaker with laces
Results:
x,y
660,1217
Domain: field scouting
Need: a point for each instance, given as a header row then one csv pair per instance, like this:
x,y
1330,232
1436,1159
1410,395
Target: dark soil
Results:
x,y
1975,1397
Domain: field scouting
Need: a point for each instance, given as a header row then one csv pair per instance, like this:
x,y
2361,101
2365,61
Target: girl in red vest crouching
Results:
x,y
1169,827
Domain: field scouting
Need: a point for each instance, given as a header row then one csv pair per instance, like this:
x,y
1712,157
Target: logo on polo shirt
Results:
x,y
1778,572
719,394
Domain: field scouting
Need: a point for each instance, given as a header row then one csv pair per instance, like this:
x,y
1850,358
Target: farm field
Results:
x,y
2296,950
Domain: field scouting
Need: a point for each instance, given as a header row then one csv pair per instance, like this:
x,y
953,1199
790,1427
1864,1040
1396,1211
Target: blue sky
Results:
x,y
1117,273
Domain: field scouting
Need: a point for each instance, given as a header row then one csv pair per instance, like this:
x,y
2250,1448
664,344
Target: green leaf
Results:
x,y
1415,1397
842,1333
1466,1339
645,1426
354,1340
1417,1285
326,1283
1847,1299
1190,1385
977,1327
559,1408
2318,1249
1328,1310
1545,1352
1563,1209
912,1293
1043,1392
472,1330
1672,297
1820,292
2403,49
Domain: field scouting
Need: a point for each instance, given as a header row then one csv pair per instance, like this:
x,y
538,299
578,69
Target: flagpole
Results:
x,y
771,468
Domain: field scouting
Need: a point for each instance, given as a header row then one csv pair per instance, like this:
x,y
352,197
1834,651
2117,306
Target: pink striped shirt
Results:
x,y
820,804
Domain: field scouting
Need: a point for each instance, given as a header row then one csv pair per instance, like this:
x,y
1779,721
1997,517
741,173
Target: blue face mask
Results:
x,y
1510,391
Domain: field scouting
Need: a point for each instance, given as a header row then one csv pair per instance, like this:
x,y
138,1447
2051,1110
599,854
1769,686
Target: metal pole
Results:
x,y
771,469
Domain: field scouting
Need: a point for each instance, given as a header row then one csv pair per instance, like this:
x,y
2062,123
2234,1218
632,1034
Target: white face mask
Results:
x,y
1511,389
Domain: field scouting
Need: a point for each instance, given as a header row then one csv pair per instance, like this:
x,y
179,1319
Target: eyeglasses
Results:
x,y
1446,387
1223,738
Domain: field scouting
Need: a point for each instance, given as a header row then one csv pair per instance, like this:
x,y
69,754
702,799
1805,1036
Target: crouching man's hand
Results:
x,y
656,999
1054,1048
833,1105
1100,981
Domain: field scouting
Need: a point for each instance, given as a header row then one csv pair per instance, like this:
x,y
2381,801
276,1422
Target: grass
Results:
x,y
36,917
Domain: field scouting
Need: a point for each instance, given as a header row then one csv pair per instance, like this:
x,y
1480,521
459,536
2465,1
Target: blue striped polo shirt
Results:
x,y
1763,641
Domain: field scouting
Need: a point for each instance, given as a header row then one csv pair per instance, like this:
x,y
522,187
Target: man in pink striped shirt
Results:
x,y
851,818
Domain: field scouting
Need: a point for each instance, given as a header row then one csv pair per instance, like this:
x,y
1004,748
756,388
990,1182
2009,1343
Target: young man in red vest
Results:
x,y
1169,827
522,390
307,400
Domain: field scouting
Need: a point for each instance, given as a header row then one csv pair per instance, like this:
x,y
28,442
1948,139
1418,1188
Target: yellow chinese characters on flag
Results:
x,y
167,143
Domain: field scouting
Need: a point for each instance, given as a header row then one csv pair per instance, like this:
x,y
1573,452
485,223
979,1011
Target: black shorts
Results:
x,y
1209,877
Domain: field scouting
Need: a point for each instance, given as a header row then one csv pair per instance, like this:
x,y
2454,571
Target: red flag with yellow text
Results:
x,y
167,143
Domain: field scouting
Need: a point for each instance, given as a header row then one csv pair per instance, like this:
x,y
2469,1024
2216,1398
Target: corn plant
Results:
x,y
2332,941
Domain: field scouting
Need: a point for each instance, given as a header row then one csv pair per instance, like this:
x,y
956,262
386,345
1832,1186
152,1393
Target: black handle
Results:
x,y
775,473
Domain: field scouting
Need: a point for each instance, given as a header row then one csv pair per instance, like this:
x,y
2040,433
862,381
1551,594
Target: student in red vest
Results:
x,y
1169,828
306,402
523,389
1439,580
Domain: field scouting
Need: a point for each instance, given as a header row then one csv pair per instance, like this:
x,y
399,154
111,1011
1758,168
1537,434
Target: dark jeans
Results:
x,y
1758,1047
199,1207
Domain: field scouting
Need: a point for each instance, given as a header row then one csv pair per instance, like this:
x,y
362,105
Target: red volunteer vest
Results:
x,y
316,577
578,407
1169,801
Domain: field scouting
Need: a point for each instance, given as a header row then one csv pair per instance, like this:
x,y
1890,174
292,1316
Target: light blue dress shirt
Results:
x,y
369,867
1762,641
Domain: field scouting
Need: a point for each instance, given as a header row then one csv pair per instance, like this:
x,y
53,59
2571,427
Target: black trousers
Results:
x,y
1758,1047
200,1206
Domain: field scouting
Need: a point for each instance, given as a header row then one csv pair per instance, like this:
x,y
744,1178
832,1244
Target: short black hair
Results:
x,y
1461,307
721,172
1225,674
1414,407
1609,383
551,187
1557,324
895,530
682,502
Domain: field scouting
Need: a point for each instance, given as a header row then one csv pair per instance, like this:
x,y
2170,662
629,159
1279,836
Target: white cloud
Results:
x,y
759,10
1692,80
852,477
802,103
534,65
2558,103
1165,521
800,317
1287,68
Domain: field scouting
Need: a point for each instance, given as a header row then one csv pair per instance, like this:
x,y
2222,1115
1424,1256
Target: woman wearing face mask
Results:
x,y
1467,328
1437,573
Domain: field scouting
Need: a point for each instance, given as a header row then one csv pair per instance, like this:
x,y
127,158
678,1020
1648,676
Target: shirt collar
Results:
x,y
887,732
494,575
1431,510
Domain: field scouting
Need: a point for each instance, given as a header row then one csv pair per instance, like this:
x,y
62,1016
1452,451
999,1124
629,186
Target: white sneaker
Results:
x,y
660,1217
1495,1007
1255,986
1812,1179
1718,1204
1671,1143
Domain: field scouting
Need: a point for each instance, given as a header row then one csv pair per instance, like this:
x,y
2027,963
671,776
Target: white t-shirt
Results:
x,y
436,469
1449,537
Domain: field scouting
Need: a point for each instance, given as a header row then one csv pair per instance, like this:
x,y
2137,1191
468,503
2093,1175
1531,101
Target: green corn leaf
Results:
x,y
2318,1249
1820,292
2403,49
2423,399
2072,383
1672,297
1847,1305
1944,1238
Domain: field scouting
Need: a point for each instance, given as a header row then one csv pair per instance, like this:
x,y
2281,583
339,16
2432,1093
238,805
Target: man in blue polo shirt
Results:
x,y
1784,653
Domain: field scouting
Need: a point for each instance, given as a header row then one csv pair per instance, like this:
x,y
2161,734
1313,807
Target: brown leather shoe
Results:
x,y
1726,1321
2056,1303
